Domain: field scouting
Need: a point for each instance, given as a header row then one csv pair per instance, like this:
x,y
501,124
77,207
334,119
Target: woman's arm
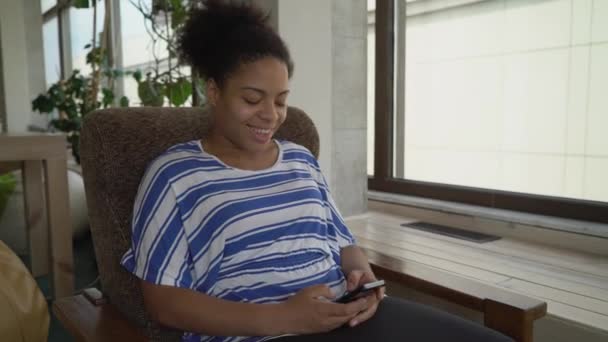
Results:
x,y
196,312
353,258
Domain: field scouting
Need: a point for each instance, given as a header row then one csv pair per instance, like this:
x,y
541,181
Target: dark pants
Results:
x,y
400,320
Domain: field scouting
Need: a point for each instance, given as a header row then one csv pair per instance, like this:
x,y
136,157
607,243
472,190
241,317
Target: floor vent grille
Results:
x,y
452,232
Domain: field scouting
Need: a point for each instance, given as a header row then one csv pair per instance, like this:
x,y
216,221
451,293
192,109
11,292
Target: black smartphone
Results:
x,y
359,292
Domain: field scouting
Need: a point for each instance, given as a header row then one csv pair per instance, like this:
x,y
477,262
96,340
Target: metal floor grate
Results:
x,y
452,232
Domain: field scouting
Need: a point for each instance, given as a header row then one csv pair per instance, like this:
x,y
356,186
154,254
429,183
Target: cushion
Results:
x,y
24,314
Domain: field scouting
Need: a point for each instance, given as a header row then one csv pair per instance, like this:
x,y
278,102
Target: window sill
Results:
x,y
597,230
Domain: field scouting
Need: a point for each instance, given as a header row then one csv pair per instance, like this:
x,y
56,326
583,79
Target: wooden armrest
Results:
x,y
88,317
510,313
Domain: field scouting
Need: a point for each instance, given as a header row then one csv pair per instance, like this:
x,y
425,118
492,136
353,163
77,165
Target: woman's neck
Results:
x,y
234,155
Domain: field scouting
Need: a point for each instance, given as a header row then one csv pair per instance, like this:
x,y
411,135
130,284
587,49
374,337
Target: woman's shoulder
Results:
x,y
291,147
192,146
298,153
177,157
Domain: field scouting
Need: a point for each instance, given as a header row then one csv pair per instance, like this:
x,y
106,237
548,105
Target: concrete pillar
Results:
x,y
328,43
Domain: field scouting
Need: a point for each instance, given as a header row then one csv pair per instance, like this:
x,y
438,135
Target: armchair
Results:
x,y
116,146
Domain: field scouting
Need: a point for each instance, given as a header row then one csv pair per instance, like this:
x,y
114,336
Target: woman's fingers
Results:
x,y
354,280
350,309
366,314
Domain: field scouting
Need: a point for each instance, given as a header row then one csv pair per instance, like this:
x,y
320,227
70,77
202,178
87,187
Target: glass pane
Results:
x,y
140,52
130,91
137,45
81,34
371,81
507,95
52,59
46,5
371,6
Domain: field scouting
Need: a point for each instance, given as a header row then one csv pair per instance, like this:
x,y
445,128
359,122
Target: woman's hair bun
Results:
x,y
219,35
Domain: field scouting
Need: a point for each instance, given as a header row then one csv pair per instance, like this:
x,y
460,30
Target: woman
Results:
x,y
236,234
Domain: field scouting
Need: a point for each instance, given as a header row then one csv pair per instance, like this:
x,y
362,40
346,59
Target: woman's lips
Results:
x,y
261,135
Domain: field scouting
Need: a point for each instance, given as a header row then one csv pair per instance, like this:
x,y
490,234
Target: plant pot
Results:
x,y
13,230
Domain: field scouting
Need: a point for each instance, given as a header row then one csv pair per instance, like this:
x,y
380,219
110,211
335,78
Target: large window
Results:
x,y
52,51
140,51
51,38
46,5
68,35
81,20
144,50
498,103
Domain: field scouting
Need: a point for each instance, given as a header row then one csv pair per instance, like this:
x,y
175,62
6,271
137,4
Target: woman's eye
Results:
x,y
251,102
280,105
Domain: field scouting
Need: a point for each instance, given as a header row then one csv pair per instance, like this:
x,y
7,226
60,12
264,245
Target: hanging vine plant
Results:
x,y
165,82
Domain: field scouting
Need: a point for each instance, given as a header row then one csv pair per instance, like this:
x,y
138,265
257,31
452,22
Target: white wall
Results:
x,y
349,104
14,60
327,40
22,61
35,58
306,28
510,94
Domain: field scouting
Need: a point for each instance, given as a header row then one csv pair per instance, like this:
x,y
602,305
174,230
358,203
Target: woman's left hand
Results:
x,y
357,278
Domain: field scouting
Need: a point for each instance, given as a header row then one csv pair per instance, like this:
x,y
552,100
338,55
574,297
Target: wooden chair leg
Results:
x,y
60,227
35,217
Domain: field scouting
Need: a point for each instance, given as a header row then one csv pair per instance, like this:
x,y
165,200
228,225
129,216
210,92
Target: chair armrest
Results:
x,y
509,313
88,317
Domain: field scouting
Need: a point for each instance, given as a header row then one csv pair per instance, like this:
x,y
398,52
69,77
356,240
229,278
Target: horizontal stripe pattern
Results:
x,y
246,236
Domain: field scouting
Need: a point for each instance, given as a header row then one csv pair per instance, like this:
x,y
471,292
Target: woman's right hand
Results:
x,y
312,311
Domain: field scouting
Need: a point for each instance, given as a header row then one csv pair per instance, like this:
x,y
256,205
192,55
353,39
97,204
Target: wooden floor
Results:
x,y
574,285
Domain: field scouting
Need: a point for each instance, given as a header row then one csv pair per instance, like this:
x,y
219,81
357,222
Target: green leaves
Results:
x,y
176,8
151,93
179,91
67,125
43,104
124,101
7,186
137,76
74,140
71,99
178,14
107,97
160,5
96,56
81,3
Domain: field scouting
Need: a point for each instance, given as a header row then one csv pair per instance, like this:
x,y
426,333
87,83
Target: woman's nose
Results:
x,y
270,112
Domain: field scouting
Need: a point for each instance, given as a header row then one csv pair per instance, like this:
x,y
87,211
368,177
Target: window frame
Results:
x,y
383,179
3,121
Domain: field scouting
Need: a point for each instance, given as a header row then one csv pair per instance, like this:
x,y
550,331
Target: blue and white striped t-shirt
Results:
x,y
240,235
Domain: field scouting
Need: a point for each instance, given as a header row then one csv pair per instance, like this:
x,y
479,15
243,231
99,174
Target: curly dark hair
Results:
x,y
220,35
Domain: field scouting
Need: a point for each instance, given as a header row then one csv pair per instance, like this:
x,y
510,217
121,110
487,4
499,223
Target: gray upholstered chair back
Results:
x,y
116,146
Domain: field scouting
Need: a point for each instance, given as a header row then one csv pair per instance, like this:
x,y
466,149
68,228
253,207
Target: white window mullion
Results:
x,y
116,45
399,124
66,42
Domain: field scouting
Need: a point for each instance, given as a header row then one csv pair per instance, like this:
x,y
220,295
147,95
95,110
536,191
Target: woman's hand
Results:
x,y
312,311
357,278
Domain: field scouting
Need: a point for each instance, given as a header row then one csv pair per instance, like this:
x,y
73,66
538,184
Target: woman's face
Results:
x,y
251,105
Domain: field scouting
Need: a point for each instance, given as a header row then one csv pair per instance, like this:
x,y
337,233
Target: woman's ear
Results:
x,y
213,92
